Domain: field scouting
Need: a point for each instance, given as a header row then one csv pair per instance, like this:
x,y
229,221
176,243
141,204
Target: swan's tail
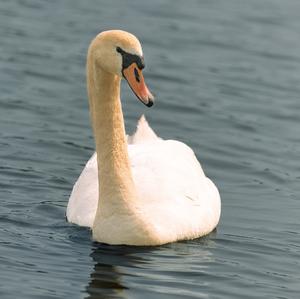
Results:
x,y
143,133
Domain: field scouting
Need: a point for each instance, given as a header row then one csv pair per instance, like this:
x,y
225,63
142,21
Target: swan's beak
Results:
x,y
135,79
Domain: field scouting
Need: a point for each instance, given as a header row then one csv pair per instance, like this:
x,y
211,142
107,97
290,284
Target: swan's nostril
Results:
x,y
137,75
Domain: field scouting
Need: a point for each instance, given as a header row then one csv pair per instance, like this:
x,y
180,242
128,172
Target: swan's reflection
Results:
x,y
106,280
121,270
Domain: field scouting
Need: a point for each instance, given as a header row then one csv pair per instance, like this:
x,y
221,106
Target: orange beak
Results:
x,y
135,79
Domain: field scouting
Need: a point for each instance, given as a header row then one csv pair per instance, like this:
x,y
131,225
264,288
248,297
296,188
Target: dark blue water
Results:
x,y
227,79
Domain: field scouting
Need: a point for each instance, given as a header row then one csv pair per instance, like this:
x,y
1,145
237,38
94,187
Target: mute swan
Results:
x,y
152,191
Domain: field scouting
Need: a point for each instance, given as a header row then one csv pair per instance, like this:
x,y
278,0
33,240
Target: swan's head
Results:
x,y
120,53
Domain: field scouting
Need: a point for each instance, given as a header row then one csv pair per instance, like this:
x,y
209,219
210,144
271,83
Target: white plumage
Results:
x,y
174,194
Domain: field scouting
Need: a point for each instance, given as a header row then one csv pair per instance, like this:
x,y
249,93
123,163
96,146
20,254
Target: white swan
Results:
x,y
151,191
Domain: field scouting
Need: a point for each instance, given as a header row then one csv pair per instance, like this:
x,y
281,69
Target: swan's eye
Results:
x,y
137,75
119,50
128,59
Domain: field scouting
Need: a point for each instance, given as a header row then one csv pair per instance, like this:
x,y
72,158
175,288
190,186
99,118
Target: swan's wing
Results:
x,y
83,201
168,164
174,191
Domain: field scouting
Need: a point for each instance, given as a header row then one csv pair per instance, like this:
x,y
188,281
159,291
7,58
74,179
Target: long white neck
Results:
x,y
116,186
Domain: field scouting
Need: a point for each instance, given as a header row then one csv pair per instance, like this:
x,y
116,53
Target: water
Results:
x,y
226,75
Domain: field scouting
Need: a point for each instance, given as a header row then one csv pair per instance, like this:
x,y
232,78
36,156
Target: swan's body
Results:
x,y
151,191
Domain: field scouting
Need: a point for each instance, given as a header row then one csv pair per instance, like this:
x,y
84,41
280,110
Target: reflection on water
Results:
x,y
159,269
106,278
105,281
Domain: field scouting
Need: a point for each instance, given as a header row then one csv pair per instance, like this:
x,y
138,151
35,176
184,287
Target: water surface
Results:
x,y
226,75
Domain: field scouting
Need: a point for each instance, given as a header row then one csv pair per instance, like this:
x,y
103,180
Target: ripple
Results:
x,y
226,76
